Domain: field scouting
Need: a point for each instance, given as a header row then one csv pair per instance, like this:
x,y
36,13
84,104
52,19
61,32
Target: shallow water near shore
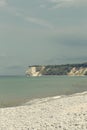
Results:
x,y
16,90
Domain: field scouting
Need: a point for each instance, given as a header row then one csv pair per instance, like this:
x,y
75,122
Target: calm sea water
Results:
x,y
17,90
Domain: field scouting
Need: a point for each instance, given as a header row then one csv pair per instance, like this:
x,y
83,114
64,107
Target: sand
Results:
x,y
54,113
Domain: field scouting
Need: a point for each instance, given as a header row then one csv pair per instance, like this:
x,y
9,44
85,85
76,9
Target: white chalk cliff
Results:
x,y
43,70
78,71
34,71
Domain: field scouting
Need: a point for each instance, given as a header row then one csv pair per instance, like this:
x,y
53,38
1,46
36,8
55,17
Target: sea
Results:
x,y
17,90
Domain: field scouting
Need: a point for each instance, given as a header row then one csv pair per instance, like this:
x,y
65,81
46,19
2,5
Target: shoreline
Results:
x,y
52,113
33,101
38,99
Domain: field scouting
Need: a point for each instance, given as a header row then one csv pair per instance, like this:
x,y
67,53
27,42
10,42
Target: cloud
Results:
x,y
62,3
66,3
3,3
79,3
39,22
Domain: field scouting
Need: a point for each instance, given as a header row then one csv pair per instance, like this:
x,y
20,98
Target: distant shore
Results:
x,y
67,69
52,113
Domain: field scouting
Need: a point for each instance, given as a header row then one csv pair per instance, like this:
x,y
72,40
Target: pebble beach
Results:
x,y
52,113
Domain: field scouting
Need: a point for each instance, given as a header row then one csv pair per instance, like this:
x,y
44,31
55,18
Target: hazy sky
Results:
x,y
41,32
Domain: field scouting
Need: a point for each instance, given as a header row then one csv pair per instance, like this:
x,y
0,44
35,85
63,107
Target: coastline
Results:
x,y
52,113
39,100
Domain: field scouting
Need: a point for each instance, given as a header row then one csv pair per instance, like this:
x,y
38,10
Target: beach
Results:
x,y
52,113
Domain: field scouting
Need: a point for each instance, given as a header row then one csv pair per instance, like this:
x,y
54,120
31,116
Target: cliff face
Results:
x,y
35,71
71,70
78,71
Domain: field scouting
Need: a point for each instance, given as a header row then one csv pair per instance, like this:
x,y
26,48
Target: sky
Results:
x,y
41,32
